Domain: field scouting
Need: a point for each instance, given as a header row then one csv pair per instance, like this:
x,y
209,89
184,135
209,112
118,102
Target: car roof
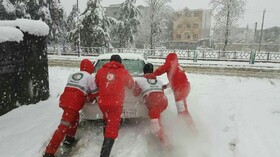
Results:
x,y
132,56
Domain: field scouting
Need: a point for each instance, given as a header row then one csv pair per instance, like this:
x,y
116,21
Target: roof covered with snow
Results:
x,y
10,34
132,56
34,27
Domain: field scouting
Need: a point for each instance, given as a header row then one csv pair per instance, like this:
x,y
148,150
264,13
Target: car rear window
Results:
x,y
135,67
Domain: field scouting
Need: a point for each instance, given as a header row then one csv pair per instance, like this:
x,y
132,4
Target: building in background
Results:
x,y
270,35
191,25
246,39
191,28
237,35
113,10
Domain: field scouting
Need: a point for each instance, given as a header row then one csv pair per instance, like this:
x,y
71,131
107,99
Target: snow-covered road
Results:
x,y
236,117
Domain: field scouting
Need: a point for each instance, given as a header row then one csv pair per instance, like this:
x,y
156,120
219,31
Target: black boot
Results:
x,y
48,155
69,140
106,147
104,127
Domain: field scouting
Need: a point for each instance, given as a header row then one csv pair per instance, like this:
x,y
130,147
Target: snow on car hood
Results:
x,y
131,56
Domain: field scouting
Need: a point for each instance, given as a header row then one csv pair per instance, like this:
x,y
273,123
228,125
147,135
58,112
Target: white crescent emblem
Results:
x,y
110,77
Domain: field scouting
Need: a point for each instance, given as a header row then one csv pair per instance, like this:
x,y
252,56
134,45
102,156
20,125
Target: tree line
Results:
x,y
93,28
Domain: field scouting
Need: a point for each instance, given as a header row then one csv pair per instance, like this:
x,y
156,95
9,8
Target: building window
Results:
x,y
179,26
195,36
196,14
195,25
188,25
187,35
178,36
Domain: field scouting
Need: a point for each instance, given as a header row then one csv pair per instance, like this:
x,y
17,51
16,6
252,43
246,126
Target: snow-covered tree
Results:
x,y
30,9
126,26
94,26
227,13
156,7
166,24
72,18
7,10
21,10
72,26
44,12
57,23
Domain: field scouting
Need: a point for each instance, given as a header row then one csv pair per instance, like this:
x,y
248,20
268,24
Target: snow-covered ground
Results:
x,y
235,117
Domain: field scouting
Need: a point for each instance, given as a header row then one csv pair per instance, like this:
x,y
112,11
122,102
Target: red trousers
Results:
x,y
112,118
156,103
180,95
182,107
68,126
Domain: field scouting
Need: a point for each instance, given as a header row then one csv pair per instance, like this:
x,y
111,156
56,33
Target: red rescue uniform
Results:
x,y
179,83
79,87
111,80
156,101
154,97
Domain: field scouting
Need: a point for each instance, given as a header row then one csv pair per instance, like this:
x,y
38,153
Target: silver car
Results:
x,y
133,107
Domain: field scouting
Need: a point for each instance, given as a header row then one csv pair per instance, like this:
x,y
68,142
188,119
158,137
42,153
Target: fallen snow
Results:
x,y
122,55
235,116
10,34
34,27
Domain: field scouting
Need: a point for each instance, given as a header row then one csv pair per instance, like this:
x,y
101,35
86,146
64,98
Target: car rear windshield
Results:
x,y
135,67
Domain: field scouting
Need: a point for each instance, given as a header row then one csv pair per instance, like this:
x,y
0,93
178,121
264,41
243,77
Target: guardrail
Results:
x,y
242,71
211,55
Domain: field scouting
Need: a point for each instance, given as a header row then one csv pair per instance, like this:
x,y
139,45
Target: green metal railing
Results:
x,y
195,55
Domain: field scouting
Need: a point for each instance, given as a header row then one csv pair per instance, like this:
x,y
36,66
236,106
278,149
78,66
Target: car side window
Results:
x,y
133,66
99,64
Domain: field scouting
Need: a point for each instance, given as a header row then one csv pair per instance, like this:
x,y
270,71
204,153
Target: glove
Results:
x,y
150,76
91,100
164,86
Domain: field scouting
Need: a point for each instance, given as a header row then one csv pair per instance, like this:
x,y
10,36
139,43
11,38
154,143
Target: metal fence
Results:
x,y
209,55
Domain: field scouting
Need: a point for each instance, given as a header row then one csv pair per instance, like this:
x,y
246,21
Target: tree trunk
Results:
x,y
152,29
227,28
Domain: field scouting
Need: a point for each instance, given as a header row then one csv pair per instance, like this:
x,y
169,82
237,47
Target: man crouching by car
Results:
x,y
80,87
155,100
111,81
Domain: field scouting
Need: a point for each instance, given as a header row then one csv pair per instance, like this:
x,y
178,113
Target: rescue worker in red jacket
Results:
x,y
179,84
80,87
155,100
111,81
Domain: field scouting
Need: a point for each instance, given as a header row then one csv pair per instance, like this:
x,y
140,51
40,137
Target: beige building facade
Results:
x,y
191,25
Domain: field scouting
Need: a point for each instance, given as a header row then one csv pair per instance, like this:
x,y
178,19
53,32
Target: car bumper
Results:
x,y
130,110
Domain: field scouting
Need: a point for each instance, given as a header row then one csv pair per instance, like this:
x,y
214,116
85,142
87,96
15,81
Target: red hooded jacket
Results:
x,y
111,81
175,74
80,85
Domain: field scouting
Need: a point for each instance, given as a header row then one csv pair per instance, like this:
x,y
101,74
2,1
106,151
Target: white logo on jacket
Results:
x,y
110,76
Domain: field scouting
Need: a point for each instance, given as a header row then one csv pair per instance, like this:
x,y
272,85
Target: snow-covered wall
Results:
x,y
33,27
10,34
23,58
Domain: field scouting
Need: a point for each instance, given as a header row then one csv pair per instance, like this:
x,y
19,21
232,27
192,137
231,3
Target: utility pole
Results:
x,y
255,32
78,25
262,30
